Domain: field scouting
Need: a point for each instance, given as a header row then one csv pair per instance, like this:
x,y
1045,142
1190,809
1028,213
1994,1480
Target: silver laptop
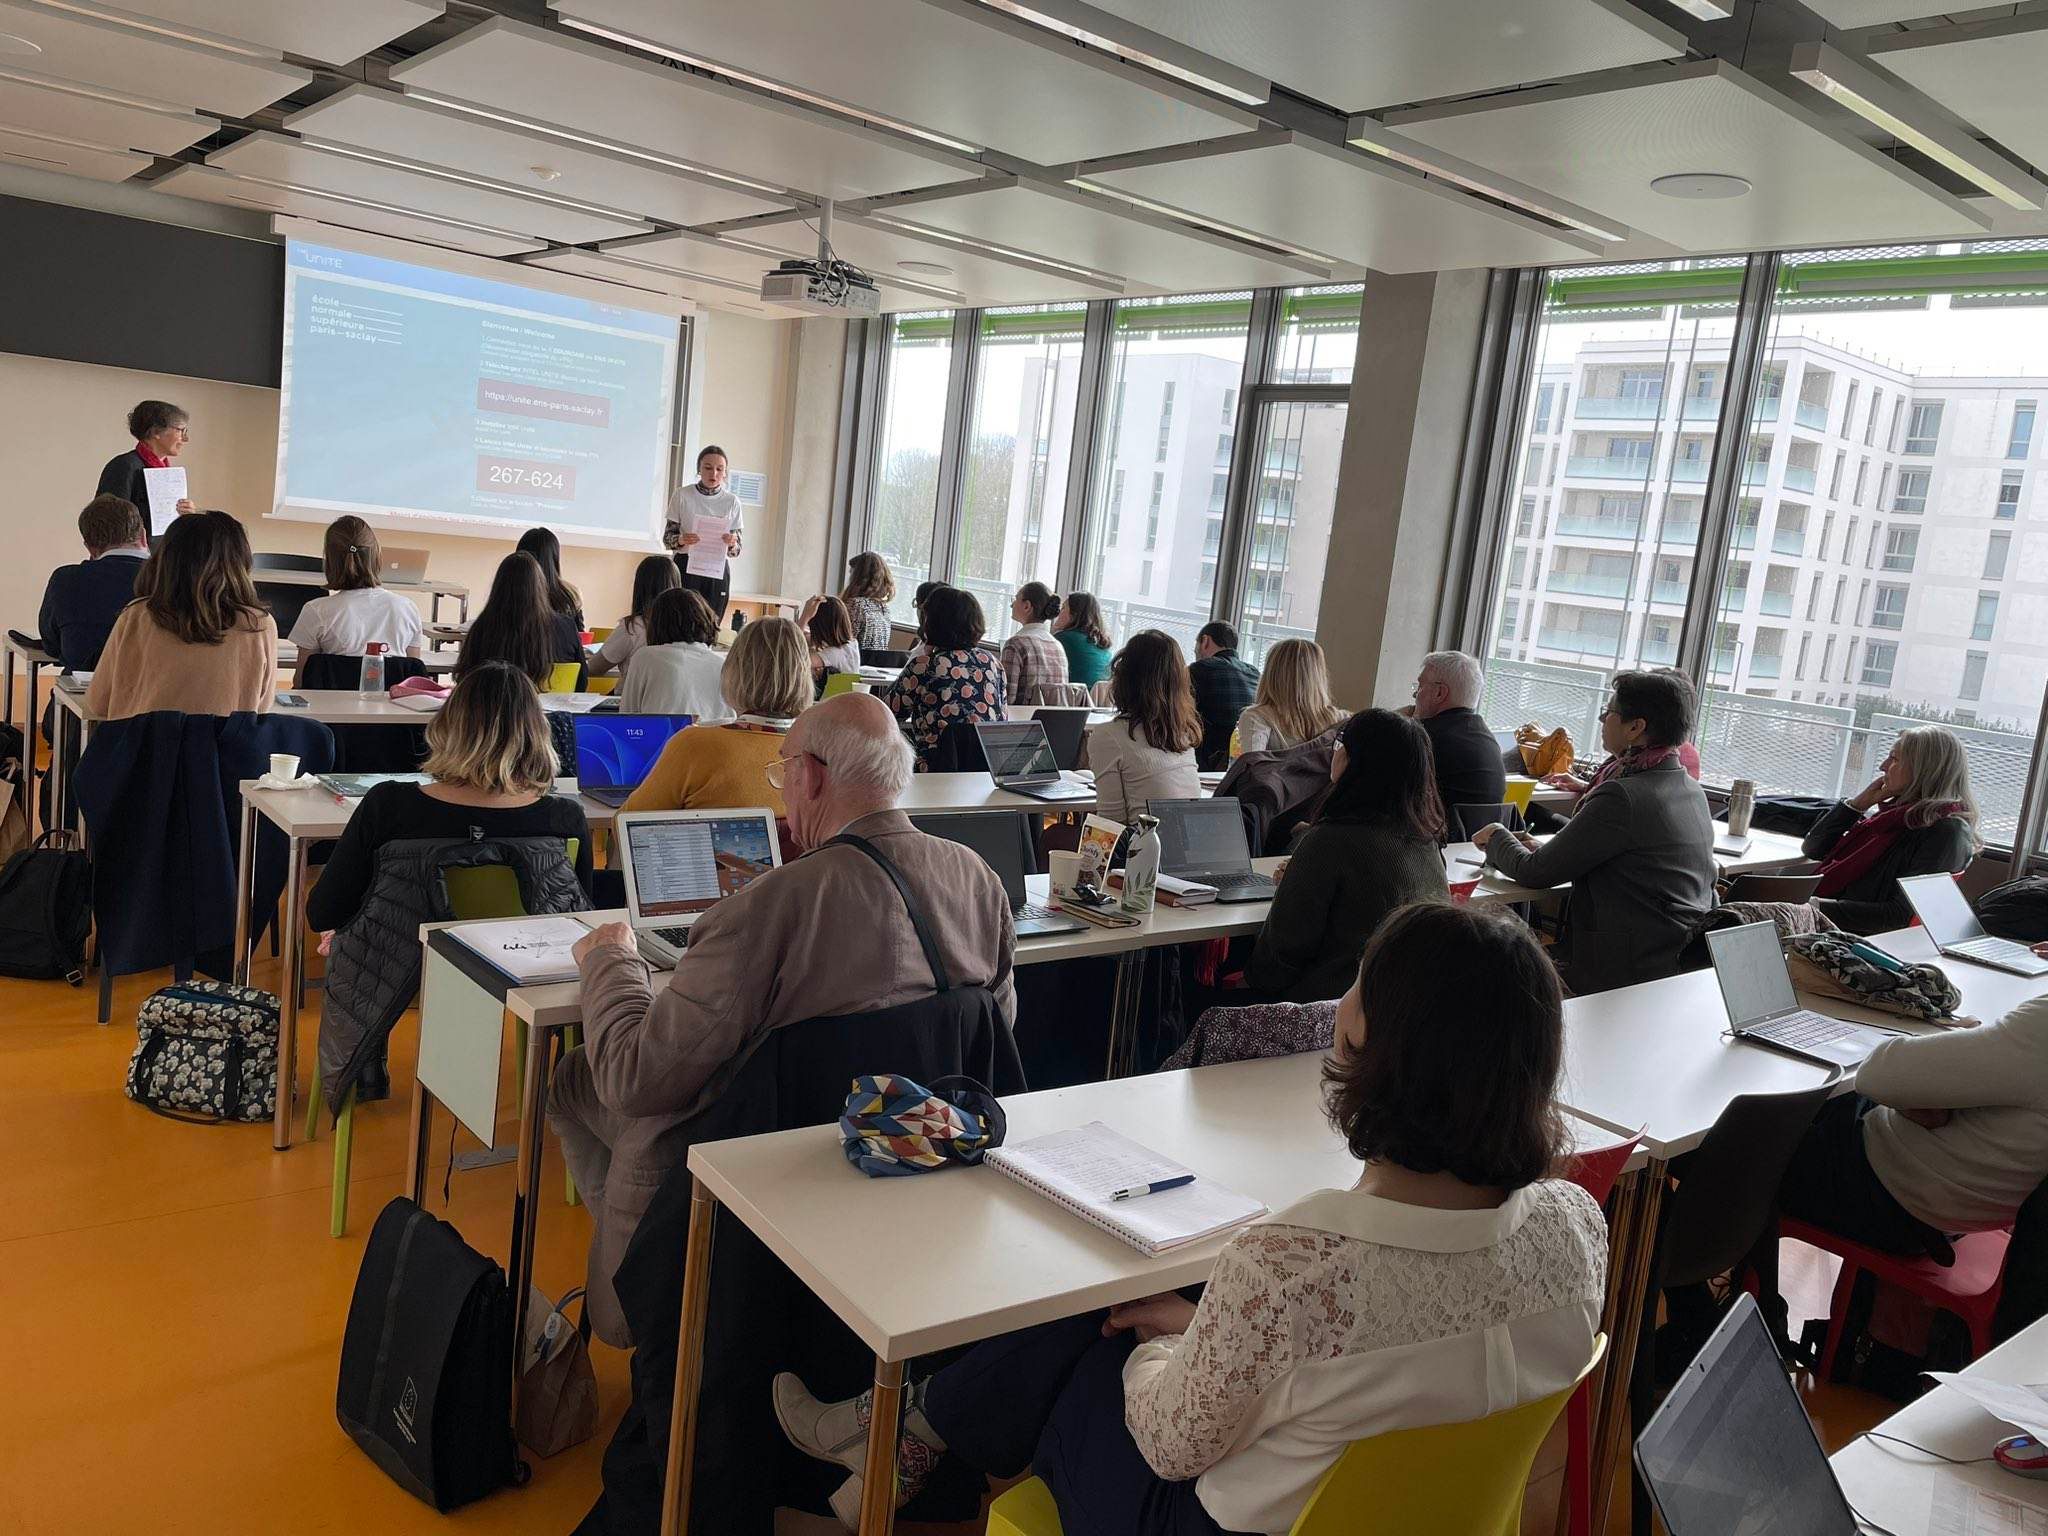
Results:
x,y
403,567
1730,1452
1950,921
680,864
1003,839
1020,759
1762,1007
1204,841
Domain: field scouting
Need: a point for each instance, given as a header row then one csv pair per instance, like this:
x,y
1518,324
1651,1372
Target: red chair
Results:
x,y
1595,1173
1969,1287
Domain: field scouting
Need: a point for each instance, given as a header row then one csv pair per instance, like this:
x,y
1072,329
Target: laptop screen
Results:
x,y
1749,962
1202,836
1732,1453
618,751
1943,909
1017,749
684,866
1002,838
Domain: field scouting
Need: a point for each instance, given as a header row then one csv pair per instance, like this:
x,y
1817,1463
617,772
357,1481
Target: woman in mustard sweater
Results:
x,y
767,681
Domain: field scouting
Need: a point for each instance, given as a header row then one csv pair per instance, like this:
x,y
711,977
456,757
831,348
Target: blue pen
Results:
x,y
1152,1189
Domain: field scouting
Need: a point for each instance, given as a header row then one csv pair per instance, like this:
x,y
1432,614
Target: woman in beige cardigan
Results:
x,y
196,639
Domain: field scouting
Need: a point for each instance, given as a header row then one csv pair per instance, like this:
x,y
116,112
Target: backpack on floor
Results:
x,y
45,910
206,1051
426,1361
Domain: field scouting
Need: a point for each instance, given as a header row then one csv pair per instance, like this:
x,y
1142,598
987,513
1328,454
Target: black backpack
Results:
x,y
2016,910
46,910
426,1361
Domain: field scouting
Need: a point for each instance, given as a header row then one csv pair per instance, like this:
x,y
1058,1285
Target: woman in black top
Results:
x,y
1917,817
161,431
1373,848
517,625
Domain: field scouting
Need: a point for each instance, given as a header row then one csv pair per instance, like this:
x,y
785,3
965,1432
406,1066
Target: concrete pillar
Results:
x,y
1391,538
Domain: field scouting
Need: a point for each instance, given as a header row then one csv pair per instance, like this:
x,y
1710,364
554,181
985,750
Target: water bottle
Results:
x,y
1741,806
372,680
1141,868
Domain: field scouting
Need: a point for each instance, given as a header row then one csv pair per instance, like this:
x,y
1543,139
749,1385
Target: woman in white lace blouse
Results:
x,y
1454,1280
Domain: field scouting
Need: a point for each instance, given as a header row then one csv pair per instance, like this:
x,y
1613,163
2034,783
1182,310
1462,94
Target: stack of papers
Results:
x,y
531,950
1081,1168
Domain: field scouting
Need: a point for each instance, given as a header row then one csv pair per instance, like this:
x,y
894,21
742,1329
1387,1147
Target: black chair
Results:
x,y
1066,729
1725,1201
2024,1300
1794,888
958,751
1467,819
879,657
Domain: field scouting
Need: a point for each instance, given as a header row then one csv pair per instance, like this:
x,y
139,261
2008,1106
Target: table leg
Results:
x,y
878,1477
1126,1005
533,1093
1631,1250
682,1417
28,737
288,995
245,890
417,1134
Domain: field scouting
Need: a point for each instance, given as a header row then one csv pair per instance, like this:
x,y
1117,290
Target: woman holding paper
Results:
x,y
694,515
161,430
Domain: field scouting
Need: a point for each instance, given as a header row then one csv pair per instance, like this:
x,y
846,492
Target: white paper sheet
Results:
x,y
166,489
2026,1407
1960,1510
707,555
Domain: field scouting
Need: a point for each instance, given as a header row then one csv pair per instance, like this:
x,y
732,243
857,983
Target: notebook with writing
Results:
x,y
533,951
1080,1169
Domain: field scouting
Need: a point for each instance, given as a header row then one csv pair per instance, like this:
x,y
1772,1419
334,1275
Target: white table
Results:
x,y
1013,1259
1895,1486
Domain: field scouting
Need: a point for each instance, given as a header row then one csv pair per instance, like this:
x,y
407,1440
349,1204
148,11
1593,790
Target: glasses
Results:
x,y
778,771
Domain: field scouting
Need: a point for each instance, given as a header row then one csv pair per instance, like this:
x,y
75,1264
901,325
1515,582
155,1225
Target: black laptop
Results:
x,y
1020,759
1204,841
1003,839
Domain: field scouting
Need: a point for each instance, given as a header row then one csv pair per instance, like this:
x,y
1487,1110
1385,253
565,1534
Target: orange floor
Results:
x,y
172,1304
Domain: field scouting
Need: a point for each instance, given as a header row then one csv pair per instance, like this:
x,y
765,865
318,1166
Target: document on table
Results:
x,y
1082,1167
707,555
166,489
1960,1510
2024,1406
531,950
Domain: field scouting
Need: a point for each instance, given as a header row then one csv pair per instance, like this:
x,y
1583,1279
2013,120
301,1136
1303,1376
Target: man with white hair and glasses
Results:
x,y
825,936
1468,759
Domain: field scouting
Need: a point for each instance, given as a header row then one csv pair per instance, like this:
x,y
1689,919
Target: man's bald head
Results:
x,y
852,760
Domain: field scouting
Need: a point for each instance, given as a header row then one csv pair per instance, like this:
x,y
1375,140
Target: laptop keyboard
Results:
x,y
1995,949
1804,1029
674,938
1236,881
1033,909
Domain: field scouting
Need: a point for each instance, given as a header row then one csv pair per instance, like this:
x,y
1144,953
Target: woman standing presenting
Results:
x,y
708,497
161,430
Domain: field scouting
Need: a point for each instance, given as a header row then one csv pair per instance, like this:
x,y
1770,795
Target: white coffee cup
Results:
x,y
1066,872
284,766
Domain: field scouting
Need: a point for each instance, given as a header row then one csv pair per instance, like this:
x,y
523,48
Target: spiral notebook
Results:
x,y
1080,1168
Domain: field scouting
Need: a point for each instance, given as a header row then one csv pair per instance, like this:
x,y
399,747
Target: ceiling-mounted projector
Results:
x,y
823,285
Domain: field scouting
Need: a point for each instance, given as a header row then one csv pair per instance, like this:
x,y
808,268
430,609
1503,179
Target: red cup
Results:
x,y
1461,890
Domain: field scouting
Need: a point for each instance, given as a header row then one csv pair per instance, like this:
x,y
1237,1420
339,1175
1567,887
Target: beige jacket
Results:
x,y
825,935
145,668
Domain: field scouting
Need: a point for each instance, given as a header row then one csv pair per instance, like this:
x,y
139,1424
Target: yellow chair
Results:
x,y
1518,794
563,678
838,683
610,682
476,894
1468,1478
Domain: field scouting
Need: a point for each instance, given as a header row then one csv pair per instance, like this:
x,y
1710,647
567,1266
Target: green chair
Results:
x,y
1467,1478
477,894
838,683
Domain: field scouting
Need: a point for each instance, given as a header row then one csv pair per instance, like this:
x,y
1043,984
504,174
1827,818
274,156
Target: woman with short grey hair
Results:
x,y
161,430
1917,817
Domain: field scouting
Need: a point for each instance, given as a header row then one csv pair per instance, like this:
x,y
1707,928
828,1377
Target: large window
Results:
x,y
905,501
1020,439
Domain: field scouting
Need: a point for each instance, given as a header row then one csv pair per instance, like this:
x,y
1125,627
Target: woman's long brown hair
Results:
x,y
197,584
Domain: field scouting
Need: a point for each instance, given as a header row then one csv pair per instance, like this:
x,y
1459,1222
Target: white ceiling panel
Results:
x,y
1603,142
1873,13
145,63
693,256
1096,234
209,186
333,31
651,280
92,161
370,118
582,87
1349,204
1357,55
274,157
971,277
973,74
1990,75
50,106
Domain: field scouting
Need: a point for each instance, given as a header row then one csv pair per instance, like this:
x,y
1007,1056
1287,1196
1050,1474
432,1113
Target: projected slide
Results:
x,y
435,398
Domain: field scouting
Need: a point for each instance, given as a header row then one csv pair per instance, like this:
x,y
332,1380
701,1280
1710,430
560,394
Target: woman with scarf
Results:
x,y
1638,851
1915,818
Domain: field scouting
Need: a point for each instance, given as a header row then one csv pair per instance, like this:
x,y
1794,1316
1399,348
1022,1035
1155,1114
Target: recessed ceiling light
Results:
x,y
1700,186
545,172
1706,10
9,43
926,268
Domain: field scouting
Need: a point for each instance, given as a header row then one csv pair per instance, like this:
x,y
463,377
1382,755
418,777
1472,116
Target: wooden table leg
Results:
x,y
878,1477
1632,1244
682,1417
245,891
533,1098
288,995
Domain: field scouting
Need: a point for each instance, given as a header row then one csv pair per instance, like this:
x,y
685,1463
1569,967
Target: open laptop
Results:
x,y
402,567
1204,841
614,753
1749,962
1020,758
1003,839
680,864
1732,1453
1947,916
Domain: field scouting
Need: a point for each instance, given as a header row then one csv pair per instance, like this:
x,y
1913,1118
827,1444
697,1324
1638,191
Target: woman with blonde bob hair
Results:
x,y
1293,703
767,683
1917,817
